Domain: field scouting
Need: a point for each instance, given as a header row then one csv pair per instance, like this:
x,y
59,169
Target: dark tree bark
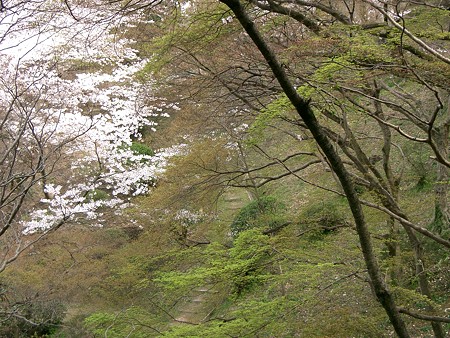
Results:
x,y
303,108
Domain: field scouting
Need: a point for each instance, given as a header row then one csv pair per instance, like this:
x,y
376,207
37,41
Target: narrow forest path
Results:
x,y
198,305
201,302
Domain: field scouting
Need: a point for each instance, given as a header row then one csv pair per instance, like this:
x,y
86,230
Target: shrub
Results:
x,y
134,322
323,218
141,149
97,195
326,214
249,256
265,212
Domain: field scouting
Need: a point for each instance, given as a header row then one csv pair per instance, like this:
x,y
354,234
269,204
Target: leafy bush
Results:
x,y
421,169
141,149
342,321
248,257
328,213
132,322
137,149
237,269
265,212
323,218
97,195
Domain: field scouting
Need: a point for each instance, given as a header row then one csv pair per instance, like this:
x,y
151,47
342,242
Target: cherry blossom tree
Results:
x,y
71,111
71,118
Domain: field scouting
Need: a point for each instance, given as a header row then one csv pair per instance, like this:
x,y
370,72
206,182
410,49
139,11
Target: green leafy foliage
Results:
x,y
98,195
251,249
411,298
429,23
138,148
367,50
440,223
133,322
238,268
271,112
340,320
333,72
198,32
141,149
421,170
265,212
247,318
323,218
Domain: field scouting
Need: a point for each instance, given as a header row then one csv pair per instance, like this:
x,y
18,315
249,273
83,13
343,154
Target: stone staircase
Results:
x,y
198,306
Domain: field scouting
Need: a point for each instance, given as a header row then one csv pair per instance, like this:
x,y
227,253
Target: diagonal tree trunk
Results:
x,y
303,108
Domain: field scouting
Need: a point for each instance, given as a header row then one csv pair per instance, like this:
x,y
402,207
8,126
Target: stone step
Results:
x,y
206,290
232,199
189,312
